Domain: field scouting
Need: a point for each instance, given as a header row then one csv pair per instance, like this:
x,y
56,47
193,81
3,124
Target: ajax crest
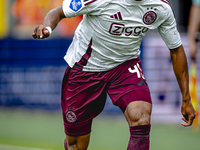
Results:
x,y
71,116
149,17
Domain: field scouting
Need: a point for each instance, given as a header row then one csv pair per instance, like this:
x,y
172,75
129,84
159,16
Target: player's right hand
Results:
x,y
40,32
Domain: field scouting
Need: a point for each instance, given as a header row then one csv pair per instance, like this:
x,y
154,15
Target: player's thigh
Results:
x,y
81,101
78,143
138,113
78,122
130,92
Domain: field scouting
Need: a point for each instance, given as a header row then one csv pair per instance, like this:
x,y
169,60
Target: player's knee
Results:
x,y
78,143
144,120
138,113
139,118
72,147
77,146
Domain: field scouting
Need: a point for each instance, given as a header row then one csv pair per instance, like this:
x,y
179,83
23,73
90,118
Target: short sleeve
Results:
x,y
72,8
168,30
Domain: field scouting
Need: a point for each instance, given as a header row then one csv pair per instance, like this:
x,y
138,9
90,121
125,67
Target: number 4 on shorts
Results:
x,y
136,69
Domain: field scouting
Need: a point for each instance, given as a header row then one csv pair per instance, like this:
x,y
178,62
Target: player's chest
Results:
x,y
130,21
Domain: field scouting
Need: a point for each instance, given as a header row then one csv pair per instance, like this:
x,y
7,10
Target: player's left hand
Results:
x,y
188,113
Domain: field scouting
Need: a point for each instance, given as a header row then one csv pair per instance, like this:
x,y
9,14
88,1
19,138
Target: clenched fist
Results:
x,y
41,32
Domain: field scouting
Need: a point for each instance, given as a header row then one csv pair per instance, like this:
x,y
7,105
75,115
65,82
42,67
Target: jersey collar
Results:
x,y
136,2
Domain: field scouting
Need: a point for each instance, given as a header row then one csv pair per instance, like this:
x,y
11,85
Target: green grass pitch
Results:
x,y
39,130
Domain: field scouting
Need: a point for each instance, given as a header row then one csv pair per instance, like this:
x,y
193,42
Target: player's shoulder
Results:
x,y
89,2
94,2
164,5
73,8
75,4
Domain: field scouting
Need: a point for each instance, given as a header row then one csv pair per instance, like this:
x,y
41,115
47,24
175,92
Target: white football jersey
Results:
x,y
114,30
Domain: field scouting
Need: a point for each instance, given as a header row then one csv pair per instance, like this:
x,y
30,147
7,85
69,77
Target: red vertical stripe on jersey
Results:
x,y
115,15
120,16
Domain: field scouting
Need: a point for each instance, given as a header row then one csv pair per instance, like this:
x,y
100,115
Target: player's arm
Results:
x,y
50,22
193,28
180,67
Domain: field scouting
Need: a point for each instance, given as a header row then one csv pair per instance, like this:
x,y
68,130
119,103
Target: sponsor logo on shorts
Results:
x,y
149,17
71,116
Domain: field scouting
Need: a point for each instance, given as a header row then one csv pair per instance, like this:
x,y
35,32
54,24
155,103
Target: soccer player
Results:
x,y
104,58
193,28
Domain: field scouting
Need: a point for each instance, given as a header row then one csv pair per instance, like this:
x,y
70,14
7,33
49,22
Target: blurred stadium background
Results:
x,y
31,72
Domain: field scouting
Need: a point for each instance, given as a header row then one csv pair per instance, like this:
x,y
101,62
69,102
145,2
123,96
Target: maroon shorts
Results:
x,y
84,93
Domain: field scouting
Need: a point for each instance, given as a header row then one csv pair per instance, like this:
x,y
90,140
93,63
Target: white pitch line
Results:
x,y
12,147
